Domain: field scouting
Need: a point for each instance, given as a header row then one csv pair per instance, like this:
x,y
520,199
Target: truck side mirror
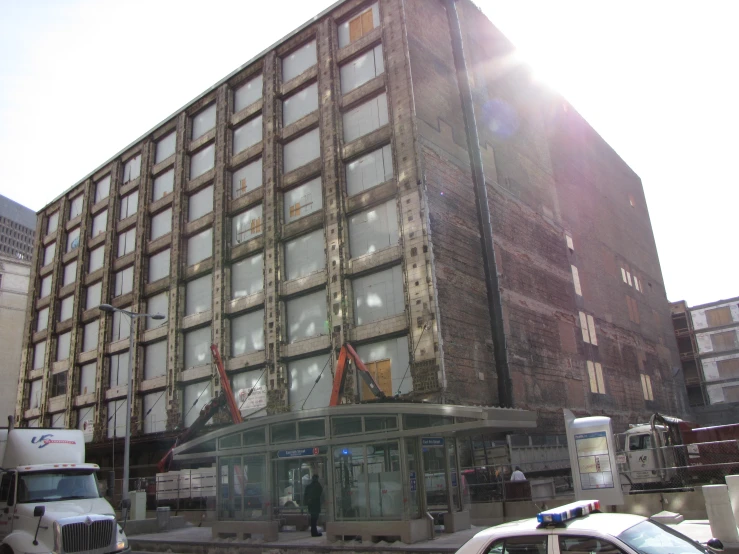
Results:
x,y
716,545
39,511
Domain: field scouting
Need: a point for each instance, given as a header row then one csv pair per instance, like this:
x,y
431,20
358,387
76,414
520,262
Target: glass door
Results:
x,y
292,475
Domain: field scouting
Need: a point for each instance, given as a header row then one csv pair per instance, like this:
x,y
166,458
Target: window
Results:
x,y
202,161
159,265
576,280
88,374
123,282
161,224
132,169
102,189
307,316
197,347
126,242
248,93
246,179
646,386
70,274
389,360
129,205
117,418
298,61
359,25
49,252
633,309
305,255
155,412
247,333
157,304
59,384
57,421
200,247
203,121
302,150
99,223
42,319
165,147
250,392
62,346
724,341
94,293
39,353
626,276
373,230
248,134
637,285
303,200
86,422
718,316
90,336
570,244
34,396
73,239
246,225
587,545
96,258
66,308
378,295
369,170
195,397
728,369
198,295
303,375
365,118
587,325
75,206
45,287
121,326
200,203
247,276
362,69
119,369
52,223
155,359
163,185
595,373
300,104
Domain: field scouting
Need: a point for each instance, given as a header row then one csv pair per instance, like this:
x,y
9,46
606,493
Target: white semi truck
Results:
x,y
49,497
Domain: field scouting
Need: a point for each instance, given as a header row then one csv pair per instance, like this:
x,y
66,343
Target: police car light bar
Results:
x,y
568,511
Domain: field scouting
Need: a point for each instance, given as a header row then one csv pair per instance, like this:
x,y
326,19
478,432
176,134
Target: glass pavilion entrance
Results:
x,y
383,466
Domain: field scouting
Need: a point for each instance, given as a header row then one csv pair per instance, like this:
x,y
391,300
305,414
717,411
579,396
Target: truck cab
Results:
x,y
649,458
49,497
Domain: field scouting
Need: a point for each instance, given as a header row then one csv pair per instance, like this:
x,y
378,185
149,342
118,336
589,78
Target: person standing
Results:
x,y
312,501
518,475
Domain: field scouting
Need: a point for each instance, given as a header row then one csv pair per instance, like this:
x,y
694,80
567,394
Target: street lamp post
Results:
x,y
132,317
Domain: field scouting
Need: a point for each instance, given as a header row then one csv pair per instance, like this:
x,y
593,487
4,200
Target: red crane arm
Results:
x,y
338,388
226,386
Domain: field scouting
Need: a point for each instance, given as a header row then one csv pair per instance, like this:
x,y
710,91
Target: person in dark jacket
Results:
x,y
312,501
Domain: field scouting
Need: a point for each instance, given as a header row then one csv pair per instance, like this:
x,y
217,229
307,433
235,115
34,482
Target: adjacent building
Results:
x,y
327,192
708,342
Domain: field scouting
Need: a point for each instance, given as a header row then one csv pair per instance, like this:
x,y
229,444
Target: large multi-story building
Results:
x,y
383,176
17,224
708,342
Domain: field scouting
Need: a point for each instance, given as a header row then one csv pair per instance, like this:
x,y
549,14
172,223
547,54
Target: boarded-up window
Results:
x,y
200,203
157,304
70,274
163,185
155,359
165,147
378,295
117,418
248,134
66,308
302,150
303,375
88,374
52,223
298,61
382,374
247,333
161,224
731,394
248,93
99,223
45,288
247,225
395,350
129,205
595,375
247,276
362,69
373,230
246,179
198,295
300,104
728,369
646,387
96,258
197,347
159,265
584,327
359,25
202,161
93,298
718,316
200,247
633,309
126,242
591,330
102,189
303,200
365,118
576,280
73,239
195,397
62,346
75,206
203,121
123,282
306,316
155,412
90,336
724,341
369,170
42,319
305,255
39,353
132,169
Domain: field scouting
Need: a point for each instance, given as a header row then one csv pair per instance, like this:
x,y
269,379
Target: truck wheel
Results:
x,y
5,549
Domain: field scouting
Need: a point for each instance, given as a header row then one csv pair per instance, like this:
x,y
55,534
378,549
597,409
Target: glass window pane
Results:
x,y
378,295
369,170
307,316
42,319
49,252
90,336
303,374
52,223
66,306
70,274
39,353
305,255
119,369
132,169
250,393
96,258
200,203
126,242
155,359
163,185
198,295
158,304
247,333
94,293
203,121
165,147
373,230
247,276
362,69
200,247
303,200
62,346
380,423
73,239
121,328
155,412
129,205
311,429
254,436
248,93
86,421
102,189
300,104
195,397
298,61
365,118
346,425
159,265
301,150
123,282
99,224
248,134
117,416
197,347
75,206
88,374
247,225
161,224
202,161
282,432
246,179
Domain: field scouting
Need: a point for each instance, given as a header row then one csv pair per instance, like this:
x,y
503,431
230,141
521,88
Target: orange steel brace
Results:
x,y
226,386
340,374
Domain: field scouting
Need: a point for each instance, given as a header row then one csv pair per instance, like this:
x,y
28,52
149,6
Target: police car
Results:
x,y
580,528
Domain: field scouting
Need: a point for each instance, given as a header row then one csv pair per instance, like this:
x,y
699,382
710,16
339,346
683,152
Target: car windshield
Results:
x,y
53,486
649,537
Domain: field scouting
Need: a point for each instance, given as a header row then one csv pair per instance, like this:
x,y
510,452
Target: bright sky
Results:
x,y
82,79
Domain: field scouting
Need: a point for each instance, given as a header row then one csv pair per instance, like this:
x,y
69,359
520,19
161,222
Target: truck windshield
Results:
x,y
53,486
649,537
